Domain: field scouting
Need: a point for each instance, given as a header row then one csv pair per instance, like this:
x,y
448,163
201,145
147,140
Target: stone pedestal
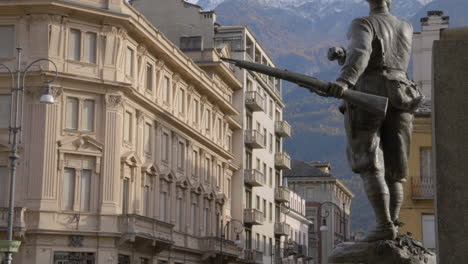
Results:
x,y
403,250
450,97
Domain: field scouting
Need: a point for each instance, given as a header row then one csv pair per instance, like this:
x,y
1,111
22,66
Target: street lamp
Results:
x,y
237,231
324,227
15,135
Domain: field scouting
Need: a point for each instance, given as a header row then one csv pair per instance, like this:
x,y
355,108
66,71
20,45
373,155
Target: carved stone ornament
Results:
x,y
56,92
159,65
110,30
75,241
114,101
176,78
142,50
190,89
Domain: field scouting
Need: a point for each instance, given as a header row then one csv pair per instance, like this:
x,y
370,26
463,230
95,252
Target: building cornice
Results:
x,y
136,25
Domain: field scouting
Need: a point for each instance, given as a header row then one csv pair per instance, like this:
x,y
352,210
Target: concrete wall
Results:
x,y
450,144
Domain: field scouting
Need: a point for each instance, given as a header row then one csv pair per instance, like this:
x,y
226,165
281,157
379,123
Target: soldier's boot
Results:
x,y
396,199
379,198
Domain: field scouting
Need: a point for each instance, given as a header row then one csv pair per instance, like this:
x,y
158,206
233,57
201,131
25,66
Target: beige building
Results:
x,y
327,202
260,200
135,162
296,249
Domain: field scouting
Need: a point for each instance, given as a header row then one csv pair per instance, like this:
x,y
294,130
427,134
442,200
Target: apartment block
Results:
x,y
260,202
136,161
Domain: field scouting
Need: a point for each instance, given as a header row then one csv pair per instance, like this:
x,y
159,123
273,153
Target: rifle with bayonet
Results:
x,y
372,103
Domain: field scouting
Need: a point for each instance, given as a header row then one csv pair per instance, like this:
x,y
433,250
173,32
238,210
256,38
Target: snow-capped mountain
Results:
x,y
212,4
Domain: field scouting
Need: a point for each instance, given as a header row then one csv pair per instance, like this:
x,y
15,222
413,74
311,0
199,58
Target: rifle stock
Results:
x,y
372,103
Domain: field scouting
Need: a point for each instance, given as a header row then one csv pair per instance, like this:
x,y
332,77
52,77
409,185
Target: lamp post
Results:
x,y
237,231
16,132
323,219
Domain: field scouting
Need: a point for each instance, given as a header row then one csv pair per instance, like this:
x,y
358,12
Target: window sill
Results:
x,y
78,132
84,63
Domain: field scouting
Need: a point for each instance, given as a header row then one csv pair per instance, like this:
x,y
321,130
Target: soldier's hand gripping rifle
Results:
x,y
372,103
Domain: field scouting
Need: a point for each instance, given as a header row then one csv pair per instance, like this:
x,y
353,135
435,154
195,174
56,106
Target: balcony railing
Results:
x,y
254,101
19,223
282,229
254,139
282,160
253,256
282,128
291,248
212,246
146,227
253,216
302,251
282,194
254,178
422,188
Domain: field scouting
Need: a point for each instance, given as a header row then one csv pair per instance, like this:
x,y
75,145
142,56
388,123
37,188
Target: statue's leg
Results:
x,y
396,142
365,155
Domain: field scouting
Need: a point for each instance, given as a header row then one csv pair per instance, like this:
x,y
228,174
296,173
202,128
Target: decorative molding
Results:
x,y
131,159
139,116
159,64
114,101
75,241
142,50
176,78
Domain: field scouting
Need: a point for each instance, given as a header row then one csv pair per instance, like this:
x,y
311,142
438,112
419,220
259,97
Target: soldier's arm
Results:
x,y
359,49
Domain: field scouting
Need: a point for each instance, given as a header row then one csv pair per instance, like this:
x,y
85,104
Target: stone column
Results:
x,y
450,126
110,186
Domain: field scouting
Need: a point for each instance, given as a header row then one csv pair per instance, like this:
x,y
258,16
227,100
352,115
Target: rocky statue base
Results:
x,y
403,250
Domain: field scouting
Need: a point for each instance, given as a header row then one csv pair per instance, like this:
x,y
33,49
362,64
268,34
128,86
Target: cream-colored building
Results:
x,y
296,250
418,208
259,202
135,161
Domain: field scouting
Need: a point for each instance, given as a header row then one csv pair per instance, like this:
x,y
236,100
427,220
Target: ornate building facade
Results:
x,y
261,200
135,161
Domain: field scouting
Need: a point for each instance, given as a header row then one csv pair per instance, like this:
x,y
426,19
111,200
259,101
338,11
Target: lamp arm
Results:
x,y
25,72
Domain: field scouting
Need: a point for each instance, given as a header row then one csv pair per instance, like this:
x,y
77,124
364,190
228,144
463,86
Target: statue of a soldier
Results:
x,y
376,62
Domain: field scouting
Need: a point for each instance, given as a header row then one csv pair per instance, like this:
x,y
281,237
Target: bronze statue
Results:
x,y
374,68
376,62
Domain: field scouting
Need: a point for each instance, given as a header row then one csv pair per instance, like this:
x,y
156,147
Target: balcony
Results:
x,y
253,256
19,223
422,188
282,194
282,160
254,178
292,248
282,229
254,139
282,128
253,216
211,248
254,101
137,227
302,251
